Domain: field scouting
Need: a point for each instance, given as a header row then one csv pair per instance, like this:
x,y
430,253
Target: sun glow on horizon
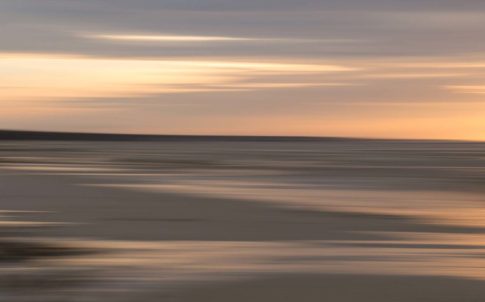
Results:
x,y
42,86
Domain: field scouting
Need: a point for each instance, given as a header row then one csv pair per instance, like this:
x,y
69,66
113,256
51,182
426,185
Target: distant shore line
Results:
x,y
21,135
85,136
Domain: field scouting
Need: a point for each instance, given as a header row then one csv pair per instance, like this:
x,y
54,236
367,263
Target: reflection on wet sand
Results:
x,y
432,206
131,221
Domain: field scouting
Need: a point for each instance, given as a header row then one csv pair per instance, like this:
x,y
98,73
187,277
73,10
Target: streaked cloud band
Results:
x,y
167,38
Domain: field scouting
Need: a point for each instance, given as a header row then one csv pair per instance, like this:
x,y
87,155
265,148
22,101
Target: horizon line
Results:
x,y
18,134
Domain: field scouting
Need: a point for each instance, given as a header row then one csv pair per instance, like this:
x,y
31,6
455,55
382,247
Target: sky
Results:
x,y
358,68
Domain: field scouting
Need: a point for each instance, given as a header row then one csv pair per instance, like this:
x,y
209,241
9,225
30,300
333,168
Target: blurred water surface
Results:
x,y
123,220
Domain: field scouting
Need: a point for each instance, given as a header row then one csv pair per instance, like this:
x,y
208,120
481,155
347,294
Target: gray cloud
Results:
x,y
378,27
76,6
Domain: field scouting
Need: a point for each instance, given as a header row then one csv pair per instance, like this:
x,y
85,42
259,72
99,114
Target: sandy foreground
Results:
x,y
69,235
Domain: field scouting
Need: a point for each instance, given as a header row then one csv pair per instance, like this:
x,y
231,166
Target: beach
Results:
x,y
337,220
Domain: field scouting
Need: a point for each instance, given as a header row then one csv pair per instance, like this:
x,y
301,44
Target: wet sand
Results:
x,y
341,288
121,214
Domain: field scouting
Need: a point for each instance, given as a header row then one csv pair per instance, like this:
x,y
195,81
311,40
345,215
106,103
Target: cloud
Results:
x,y
249,5
467,89
43,77
167,38
275,28
222,59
